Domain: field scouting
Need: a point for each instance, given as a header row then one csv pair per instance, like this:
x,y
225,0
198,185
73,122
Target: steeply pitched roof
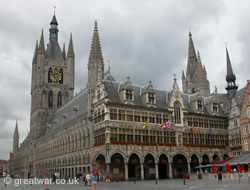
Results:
x,y
78,103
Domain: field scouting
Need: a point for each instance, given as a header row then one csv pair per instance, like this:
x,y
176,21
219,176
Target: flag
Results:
x,y
146,124
192,129
210,130
165,125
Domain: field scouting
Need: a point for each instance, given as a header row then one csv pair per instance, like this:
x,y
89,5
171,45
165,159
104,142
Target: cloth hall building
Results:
x,y
101,126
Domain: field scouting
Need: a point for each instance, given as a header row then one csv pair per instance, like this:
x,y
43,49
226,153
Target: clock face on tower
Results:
x,y
56,76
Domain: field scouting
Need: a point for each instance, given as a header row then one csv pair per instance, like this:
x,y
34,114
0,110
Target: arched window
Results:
x,y
49,74
177,113
59,100
61,73
50,99
43,98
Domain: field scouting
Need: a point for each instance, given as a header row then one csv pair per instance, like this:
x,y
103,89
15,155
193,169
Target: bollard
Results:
x,y
134,181
95,186
184,181
155,181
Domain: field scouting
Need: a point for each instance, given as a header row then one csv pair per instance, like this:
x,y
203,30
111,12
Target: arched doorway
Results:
x,y
194,162
163,167
101,166
216,158
134,167
225,156
117,167
205,159
179,166
149,167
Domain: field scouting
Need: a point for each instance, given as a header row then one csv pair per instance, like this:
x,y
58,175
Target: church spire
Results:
x,y
95,63
191,50
230,78
95,51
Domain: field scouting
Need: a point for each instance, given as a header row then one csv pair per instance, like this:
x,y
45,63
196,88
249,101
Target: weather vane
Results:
x,y
54,9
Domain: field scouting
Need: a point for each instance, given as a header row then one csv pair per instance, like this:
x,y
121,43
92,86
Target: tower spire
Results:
x,y
95,63
230,77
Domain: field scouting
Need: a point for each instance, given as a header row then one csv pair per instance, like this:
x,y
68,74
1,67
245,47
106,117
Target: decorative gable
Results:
x,y
127,92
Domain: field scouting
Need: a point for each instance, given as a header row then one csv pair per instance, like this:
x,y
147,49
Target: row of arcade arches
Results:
x,y
150,167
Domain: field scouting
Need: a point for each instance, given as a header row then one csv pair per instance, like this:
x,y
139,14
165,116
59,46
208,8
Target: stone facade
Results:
x,y
245,119
102,125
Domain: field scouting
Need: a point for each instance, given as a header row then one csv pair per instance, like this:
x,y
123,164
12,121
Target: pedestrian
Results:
x,y
107,178
88,177
219,177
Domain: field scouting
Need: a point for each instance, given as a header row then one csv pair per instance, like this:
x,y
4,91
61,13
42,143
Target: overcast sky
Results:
x,y
145,39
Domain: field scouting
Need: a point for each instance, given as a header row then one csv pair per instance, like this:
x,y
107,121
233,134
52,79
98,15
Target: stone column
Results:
x,y
189,167
142,172
170,170
156,171
126,171
108,168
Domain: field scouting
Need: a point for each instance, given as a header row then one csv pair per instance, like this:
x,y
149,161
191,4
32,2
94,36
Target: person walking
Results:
x,y
107,178
219,177
88,178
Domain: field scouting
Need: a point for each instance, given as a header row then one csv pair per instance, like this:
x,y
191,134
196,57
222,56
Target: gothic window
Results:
x,y
50,99
49,74
151,98
43,98
59,100
177,113
199,104
129,94
61,73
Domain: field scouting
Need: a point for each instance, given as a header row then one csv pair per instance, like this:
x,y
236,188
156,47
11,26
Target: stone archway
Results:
x,y
179,166
134,167
194,162
216,158
101,166
149,167
117,167
163,166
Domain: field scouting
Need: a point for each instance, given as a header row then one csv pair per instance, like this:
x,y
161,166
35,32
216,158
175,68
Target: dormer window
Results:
x,y
151,98
215,107
129,94
199,104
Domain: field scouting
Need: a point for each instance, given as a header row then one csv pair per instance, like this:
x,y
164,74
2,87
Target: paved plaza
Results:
x,y
140,185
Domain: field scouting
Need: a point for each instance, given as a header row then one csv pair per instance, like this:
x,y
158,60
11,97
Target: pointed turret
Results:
x,y
35,53
64,52
54,21
15,139
41,44
71,48
230,78
199,75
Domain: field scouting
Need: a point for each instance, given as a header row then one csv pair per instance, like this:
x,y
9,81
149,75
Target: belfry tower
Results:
x,y
52,82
